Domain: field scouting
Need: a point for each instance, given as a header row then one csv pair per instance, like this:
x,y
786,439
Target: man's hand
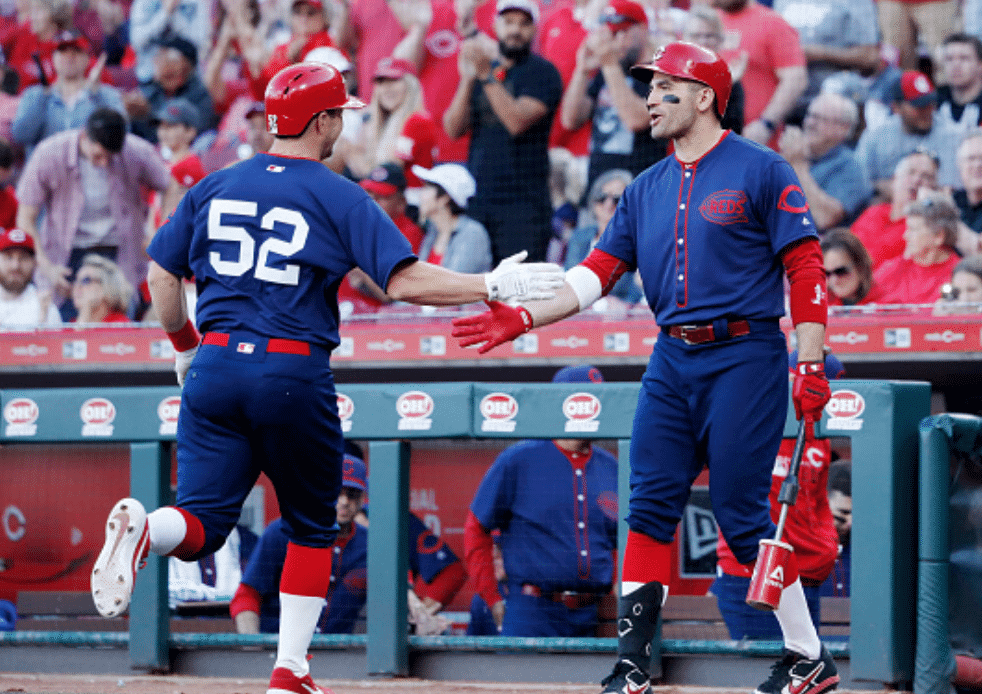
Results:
x,y
810,391
57,274
492,328
498,613
182,362
521,282
792,146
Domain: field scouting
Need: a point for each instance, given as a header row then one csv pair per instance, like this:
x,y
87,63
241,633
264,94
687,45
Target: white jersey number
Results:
x,y
289,274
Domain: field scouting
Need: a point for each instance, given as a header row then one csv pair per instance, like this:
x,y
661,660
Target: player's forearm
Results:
x,y
811,341
548,311
425,283
167,295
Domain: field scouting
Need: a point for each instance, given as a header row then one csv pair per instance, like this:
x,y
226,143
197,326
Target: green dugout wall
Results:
x,y
880,417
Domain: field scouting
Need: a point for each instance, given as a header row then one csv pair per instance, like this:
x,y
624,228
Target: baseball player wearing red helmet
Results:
x,y
710,231
268,240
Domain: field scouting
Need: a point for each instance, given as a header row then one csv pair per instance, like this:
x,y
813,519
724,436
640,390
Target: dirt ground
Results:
x,y
170,684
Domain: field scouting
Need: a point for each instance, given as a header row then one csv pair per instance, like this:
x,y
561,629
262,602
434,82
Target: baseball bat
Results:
x,y
788,494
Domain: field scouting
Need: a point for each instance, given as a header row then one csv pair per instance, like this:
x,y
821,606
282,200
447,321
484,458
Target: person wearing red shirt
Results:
x,y
563,30
37,35
849,270
100,292
929,255
881,227
809,529
8,201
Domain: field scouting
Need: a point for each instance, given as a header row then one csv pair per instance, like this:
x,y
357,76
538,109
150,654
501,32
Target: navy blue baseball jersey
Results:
x,y
558,519
349,584
428,553
706,236
273,268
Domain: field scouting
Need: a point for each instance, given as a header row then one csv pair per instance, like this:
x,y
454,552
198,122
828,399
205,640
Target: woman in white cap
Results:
x,y
453,240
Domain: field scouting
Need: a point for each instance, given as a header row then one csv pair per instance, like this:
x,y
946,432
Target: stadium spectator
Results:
x,y
213,577
881,226
177,127
776,75
397,128
840,504
238,42
70,99
960,97
21,304
506,100
452,239
47,19
929,254
157,24
965,288
832,180
8,201
809,529
309,29
968,196
9,101
174,76
834,36
100,293
907,25
604,195
115,24
89,183
257,137
915,124
849,270
555,503
386,184
704,27
602,91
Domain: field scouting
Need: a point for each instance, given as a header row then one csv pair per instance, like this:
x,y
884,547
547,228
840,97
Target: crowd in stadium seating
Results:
x,y
533,97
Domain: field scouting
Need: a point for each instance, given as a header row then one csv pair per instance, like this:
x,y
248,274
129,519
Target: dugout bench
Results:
x,y
880,417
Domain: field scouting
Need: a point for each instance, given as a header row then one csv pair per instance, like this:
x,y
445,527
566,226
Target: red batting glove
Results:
x,y
492,328
810,391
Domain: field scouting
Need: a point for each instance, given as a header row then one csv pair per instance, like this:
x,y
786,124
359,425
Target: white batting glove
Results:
x,y
513,280
182,362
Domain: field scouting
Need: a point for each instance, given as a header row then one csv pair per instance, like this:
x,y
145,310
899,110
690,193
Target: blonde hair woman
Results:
x,y
100,292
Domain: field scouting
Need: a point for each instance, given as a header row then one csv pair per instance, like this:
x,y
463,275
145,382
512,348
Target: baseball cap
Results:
x,y
455,179
329,56
915,88
393,69
179,111
313,3
385,179
71,39
584,373
188,171
182,46
15,238
833,367
621,14
529,7
354,473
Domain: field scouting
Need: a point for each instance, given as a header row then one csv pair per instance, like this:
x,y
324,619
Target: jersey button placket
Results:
x,y
680,243
583,561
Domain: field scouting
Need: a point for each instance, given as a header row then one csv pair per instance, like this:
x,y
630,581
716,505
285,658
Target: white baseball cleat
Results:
x,y
127,545
283,681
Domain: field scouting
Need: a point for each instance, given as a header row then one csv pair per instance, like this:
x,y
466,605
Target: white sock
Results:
x,y
796,622
628,587
298,620
167,529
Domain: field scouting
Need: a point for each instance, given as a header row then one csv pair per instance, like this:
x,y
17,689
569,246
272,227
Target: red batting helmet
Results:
x,y
690,62
299,92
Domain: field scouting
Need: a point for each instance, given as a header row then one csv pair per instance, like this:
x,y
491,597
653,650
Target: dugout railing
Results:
x,y
879,417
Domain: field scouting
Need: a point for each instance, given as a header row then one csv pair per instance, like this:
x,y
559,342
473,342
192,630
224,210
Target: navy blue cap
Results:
x,y
833,367
578,374
355,474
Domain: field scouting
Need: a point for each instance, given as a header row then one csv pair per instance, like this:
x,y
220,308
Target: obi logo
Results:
x,y
415,408
21,415
499,411
724,207
581,411
167,411
844,408
346,408
97,417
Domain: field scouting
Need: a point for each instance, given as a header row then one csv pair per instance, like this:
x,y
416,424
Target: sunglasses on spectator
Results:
x,y
89,280
839,271
607,197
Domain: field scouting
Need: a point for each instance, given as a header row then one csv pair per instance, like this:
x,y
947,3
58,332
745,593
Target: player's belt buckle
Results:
x,y
699,334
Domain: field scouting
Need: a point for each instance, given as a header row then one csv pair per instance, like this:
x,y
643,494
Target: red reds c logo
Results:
x,y
724,207
793,200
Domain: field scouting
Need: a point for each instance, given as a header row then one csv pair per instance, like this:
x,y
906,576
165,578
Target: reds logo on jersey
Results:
x,y
724,207
793,200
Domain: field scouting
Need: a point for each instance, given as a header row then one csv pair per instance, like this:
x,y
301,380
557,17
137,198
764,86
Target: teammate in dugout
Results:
x,y
709,230
268,240
555,503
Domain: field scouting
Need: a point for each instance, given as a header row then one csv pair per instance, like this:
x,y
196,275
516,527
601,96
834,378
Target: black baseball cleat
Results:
x,y
796,674
626,679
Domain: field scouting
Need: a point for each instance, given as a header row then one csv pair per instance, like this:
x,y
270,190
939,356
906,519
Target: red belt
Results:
x,y
274,344
699,334
571,599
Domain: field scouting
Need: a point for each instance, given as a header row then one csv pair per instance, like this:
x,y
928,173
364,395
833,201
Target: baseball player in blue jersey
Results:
x,y
712,231
555,503
268,241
